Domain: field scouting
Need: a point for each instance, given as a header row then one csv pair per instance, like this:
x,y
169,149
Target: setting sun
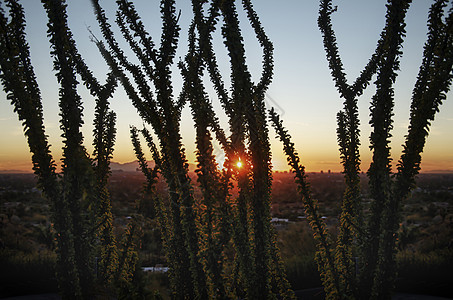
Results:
x,y
239,164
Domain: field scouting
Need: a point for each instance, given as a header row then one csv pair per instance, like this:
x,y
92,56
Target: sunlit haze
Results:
x,y
302,90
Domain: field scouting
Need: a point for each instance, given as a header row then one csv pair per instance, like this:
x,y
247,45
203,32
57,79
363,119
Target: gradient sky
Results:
x,y
302,89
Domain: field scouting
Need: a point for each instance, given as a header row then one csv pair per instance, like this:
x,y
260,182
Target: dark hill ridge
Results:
x,y
129,166
133,166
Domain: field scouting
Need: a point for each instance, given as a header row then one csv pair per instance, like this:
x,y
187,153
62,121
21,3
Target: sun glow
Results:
x,y
239,164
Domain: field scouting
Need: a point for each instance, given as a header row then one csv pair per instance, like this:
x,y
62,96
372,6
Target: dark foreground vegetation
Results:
x,y
425,245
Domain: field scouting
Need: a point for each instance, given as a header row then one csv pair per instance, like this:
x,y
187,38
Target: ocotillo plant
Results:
x,y
376,244
348,135
244,125
245,108
19,82
196,231
163,114
82,182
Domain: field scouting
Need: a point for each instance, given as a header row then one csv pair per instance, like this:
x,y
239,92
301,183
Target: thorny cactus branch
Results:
x,y
324,253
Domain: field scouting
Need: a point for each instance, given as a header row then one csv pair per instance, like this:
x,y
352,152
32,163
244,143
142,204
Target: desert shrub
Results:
x,y
23,273
302,272
426,273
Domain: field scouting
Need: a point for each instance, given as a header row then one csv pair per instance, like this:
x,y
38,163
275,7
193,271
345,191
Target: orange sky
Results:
x,y
316,155
302,89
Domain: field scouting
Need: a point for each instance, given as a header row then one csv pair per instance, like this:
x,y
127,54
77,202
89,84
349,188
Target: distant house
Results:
x,y
156,269
278,220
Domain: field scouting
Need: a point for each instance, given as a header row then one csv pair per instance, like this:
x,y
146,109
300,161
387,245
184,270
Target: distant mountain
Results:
x,y
12,171
133,166
437,172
